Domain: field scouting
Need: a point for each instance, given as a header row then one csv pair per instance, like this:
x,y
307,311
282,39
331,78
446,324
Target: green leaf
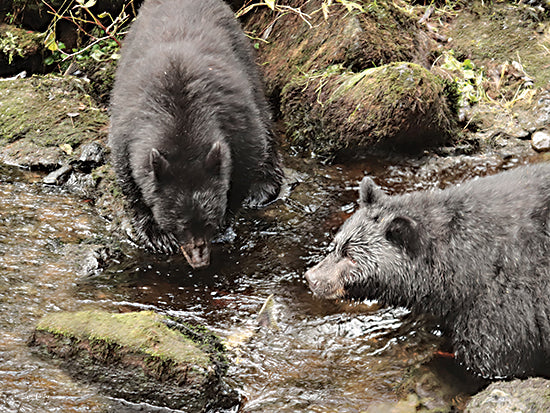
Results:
x,y
468,64
50,41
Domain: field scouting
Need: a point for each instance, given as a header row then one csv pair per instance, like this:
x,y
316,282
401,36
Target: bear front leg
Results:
x,y
498,337
267,185
149,234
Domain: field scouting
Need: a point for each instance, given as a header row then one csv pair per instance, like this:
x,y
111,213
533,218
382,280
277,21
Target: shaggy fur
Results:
x,y
477,256
190,127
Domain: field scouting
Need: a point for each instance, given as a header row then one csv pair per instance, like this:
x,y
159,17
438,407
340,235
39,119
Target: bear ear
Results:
x,y
369,192
159,164
213,162
404,232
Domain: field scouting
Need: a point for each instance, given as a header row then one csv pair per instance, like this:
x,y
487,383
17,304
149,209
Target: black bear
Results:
x,y
476,256
191,135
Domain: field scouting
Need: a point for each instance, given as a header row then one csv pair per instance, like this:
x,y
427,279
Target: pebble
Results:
x,y
540,141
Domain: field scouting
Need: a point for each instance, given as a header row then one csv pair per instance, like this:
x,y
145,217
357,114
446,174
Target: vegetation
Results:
x,y
99,36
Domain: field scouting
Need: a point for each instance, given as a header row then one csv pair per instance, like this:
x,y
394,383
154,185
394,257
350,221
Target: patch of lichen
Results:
x,y
493,33
401,105
138,332
49,111
355,39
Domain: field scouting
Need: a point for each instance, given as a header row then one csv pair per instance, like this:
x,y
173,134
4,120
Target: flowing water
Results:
x,y
325,356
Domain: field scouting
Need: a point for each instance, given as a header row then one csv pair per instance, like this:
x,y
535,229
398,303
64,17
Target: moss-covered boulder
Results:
x,y
44,121
140,357
303,37
337,113
20,50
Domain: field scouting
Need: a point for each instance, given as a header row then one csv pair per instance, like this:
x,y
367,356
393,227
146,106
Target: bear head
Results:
x,y
189,199
374,247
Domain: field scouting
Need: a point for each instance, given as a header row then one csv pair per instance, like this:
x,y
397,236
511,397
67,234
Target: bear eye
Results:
x,y
345,251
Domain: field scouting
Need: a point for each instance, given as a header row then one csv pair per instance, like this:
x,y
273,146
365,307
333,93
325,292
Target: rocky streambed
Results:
x,y
64,231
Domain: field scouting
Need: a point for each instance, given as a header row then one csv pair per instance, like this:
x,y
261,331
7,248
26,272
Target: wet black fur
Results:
x,y
477,256
187,86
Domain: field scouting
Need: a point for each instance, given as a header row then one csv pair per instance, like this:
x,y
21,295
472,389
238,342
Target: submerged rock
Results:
x,y
139,357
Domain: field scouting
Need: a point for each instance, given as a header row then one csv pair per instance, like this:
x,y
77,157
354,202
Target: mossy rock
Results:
x,y
372,34
336,113
50,115
142,357
20,50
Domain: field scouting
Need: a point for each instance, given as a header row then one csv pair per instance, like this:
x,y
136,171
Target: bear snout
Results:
x,y
325,279
197,253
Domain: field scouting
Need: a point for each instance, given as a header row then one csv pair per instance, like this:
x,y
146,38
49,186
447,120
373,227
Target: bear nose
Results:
x,y
311,280
197,253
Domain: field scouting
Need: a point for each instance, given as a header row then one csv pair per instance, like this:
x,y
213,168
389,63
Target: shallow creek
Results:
x,y
325,356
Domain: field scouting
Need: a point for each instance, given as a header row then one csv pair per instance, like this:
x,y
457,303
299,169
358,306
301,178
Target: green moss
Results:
x,y
355,39
504,32
141,332
49,111
400,104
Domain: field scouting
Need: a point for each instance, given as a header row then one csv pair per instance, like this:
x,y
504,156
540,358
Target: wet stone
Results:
x,y
92,155
141,357
58,176
541,141
531,395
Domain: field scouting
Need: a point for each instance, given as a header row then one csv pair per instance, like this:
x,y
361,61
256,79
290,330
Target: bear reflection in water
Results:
x,y
476,256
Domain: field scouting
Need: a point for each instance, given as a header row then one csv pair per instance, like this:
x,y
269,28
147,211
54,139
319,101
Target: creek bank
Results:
x,y
354,79
51,124
141,357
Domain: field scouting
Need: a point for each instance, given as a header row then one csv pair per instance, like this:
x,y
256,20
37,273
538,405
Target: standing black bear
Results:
x,y
190,126
477,256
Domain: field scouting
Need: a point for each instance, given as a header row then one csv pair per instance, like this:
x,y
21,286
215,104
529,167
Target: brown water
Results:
x,y
325,357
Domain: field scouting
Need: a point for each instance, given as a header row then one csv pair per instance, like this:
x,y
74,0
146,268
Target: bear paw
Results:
x,y
262,194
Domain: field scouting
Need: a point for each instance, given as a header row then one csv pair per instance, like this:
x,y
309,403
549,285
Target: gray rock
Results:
x,y
92,155
526,396
540,141
59,176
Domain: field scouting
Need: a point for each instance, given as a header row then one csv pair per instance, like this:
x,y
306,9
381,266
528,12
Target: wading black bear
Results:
x,y
191,135
476,255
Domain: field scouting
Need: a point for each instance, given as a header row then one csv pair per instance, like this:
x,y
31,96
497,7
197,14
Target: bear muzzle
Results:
x,y
325,279
197,253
